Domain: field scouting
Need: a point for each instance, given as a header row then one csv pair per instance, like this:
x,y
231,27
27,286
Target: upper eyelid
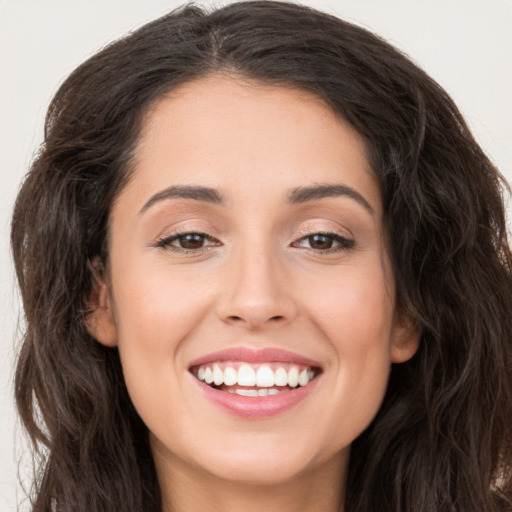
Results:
x,y
323,232
344,241
308,223
186,229
344,233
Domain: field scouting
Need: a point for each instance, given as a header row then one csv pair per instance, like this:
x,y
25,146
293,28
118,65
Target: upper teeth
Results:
x,y
263,376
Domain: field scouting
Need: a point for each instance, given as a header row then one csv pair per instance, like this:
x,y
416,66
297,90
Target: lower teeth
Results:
x,y
256,392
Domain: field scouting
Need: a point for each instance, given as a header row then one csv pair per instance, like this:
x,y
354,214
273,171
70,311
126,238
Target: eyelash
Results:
x,y
166,242
345,243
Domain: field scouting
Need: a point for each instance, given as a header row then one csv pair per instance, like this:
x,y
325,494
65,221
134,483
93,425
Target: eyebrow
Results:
x,y
301,195
209,195
298,195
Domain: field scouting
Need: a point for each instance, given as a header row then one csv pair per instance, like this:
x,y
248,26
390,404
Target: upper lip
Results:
x,y
252,355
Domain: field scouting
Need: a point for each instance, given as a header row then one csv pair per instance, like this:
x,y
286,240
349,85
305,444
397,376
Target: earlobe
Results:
x,y
406,339
100,320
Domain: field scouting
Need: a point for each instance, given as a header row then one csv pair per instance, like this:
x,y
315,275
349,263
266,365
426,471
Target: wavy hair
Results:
x,y
442,438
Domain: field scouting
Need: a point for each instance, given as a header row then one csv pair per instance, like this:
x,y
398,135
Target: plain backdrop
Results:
x,y
466,45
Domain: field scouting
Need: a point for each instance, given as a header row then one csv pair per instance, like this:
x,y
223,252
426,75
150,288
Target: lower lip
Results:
x,y
258,406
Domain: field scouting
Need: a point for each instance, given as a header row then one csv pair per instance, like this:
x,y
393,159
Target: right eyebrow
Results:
x,y
311,193
197,193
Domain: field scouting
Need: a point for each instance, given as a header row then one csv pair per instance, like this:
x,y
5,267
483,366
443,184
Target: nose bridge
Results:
x,y
257,294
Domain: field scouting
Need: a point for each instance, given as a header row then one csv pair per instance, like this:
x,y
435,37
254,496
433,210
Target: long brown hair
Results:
x,y
442,439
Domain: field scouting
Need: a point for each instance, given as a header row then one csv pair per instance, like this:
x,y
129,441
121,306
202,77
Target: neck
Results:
x,y
186,489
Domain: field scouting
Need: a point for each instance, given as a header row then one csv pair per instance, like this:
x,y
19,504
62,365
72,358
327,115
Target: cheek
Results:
x,y
156,308
355,314
354,308
155,312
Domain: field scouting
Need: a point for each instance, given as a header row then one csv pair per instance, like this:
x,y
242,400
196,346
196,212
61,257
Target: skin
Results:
x,y
260,280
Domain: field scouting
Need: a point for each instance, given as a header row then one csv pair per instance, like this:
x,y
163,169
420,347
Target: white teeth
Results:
x,y
246,376
293,377
303,377
250,392
230,376
264,377
218,375
281,377
208,375
247,392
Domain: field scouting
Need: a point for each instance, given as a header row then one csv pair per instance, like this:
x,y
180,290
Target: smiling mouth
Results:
x,y
255,380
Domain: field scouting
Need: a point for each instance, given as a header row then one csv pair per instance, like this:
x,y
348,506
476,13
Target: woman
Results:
x,y
264,265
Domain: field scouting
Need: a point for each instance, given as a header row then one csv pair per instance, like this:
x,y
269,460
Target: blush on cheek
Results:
x,y
361,316
164,303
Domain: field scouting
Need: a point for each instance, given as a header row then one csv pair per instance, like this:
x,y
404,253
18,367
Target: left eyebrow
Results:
x,y
305,194
197,193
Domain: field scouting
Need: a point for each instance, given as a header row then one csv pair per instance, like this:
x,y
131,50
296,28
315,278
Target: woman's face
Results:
x,y
248,248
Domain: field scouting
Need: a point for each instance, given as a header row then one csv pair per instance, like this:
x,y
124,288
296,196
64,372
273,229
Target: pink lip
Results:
x,y
256,407
261,406
250,355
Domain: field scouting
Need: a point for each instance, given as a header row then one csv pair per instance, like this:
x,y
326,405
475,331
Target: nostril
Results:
x,y
236,318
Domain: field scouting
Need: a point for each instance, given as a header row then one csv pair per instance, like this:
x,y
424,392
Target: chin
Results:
x,y
264,469
266,459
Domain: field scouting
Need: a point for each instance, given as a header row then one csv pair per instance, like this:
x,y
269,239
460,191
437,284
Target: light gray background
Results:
x,y
466,45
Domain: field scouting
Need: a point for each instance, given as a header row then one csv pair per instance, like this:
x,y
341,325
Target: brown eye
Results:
x,y
325,242
191,241
184,242
320,242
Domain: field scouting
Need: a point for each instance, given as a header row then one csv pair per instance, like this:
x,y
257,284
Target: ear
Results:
x,y
406,338
100,321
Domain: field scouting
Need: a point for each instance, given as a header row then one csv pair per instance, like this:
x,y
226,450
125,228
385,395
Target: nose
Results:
x,y
257,292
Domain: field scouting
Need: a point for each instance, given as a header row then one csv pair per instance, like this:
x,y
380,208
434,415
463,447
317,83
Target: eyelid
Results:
x,y
317,228
164,241
175,227
345,242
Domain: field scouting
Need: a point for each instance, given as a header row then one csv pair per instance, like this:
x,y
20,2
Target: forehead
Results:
x,y
226,133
